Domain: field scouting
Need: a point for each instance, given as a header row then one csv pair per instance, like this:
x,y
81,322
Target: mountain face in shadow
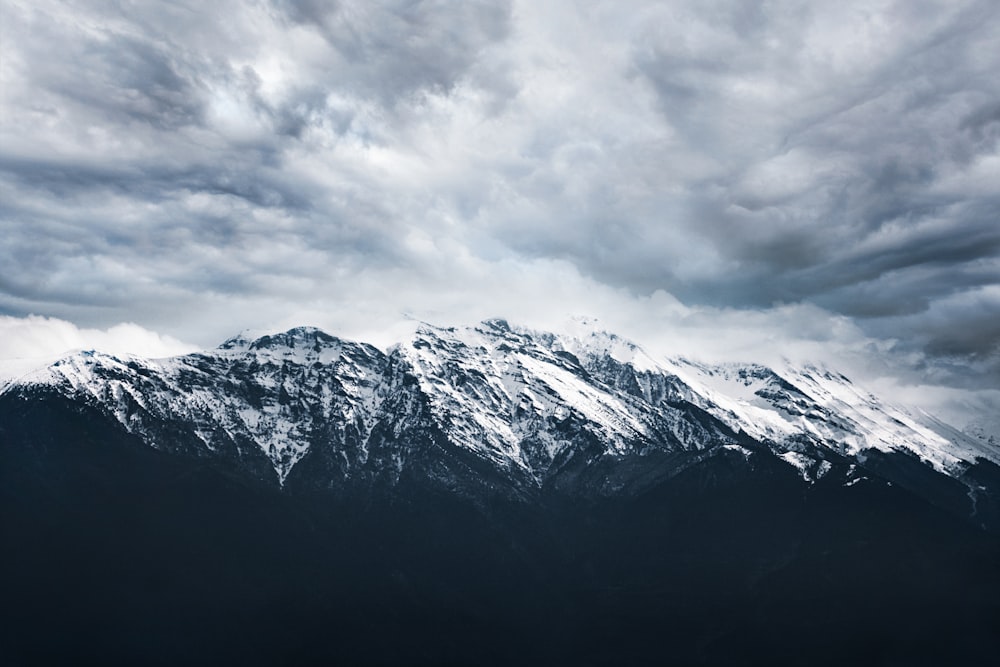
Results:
x,y
484,496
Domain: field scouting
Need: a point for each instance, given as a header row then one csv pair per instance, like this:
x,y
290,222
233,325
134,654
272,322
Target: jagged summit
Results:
x,y
297,337
241,340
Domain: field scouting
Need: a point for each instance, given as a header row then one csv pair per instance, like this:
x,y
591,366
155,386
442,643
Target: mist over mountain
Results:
x,y
486,494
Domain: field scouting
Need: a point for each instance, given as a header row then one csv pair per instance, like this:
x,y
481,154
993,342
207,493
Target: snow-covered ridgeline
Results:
x,y
272,393
495,387
515,397
789,405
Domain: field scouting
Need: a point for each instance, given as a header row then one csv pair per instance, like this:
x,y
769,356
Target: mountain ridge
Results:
x,y
526,406
482,495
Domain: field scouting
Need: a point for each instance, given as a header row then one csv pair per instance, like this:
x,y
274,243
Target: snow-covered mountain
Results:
x,y
527,409
557,498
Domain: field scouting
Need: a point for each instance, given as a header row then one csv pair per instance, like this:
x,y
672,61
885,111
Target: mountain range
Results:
x,y
486,493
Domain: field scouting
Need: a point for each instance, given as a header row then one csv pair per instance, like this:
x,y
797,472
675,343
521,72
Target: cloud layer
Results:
x,y
35,339
790,172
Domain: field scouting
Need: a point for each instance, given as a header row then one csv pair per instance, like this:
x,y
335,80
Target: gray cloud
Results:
x,y
774,167
390,50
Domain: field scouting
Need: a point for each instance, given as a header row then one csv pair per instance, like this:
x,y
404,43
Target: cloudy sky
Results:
x,y
719,178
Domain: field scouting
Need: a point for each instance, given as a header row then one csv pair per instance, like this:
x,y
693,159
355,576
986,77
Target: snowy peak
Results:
x,y
300,338
300,345
598,344
513,400
270,396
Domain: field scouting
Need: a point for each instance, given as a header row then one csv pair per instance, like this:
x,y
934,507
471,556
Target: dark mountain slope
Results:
x,y
119,554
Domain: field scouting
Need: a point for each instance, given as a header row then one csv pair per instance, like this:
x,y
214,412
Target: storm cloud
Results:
x,y
824,175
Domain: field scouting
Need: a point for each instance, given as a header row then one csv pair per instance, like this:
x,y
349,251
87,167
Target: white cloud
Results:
x,y
43,338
